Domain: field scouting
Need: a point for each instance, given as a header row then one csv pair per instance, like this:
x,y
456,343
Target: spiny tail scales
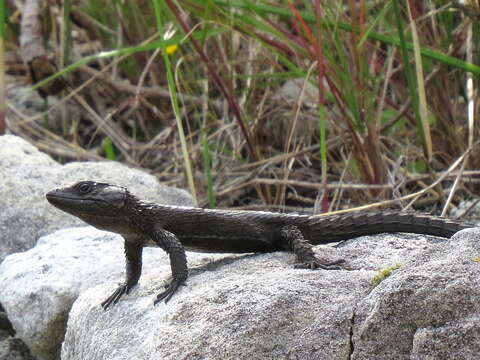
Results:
x,y
330,228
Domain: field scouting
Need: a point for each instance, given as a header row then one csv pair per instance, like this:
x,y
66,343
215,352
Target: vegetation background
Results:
x,y
286,104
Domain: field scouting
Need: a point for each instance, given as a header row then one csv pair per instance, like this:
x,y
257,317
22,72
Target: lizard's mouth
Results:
x,y
73,204
93,211
56,196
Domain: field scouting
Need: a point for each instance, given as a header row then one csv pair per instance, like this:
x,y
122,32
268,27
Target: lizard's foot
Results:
x,y
305,254
117,294
168,293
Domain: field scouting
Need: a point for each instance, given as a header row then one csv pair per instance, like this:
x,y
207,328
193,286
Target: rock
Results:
x,y
258,307
429,309
291,92
29,104
40,285
467,210
14,349
28,174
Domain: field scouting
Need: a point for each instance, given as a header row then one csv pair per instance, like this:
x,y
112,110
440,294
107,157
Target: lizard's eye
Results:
x,y
84,188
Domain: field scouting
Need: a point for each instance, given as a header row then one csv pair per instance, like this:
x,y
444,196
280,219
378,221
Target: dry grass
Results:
x,y
350,130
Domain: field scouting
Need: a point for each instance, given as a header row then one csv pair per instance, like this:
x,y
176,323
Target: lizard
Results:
x,y
176,228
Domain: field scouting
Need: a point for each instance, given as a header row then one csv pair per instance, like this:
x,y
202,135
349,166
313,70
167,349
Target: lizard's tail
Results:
x,y
328,228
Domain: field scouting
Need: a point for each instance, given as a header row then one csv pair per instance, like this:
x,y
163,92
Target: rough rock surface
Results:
x,y
14,349
27,174
248,306
11,348
28,104
429,309
40,285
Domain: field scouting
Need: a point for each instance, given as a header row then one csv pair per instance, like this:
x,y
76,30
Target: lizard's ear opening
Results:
x,y
115,195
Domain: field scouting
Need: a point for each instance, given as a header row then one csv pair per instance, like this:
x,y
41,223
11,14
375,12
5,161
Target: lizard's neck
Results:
x,y
139,213
126,220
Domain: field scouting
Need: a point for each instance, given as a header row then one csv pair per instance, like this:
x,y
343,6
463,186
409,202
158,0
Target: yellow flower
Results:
x,y
171,49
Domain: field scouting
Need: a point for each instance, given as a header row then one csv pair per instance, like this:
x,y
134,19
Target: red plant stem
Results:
x,y
222,87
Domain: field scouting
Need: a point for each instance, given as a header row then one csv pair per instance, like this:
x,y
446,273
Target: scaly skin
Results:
x,y
176,228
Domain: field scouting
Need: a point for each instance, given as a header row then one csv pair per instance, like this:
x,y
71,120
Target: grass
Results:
x,y
192,90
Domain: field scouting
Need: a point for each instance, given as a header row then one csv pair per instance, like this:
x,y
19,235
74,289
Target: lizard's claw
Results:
x,y
316,263
168,293
117,294
304,251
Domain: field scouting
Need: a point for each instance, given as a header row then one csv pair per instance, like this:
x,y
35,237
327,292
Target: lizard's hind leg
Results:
x,y
303,249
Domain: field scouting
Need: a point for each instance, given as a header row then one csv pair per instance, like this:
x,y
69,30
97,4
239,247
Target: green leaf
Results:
x,y
108,149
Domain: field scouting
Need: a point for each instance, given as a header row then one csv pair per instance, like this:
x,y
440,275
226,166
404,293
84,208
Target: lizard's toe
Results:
x,y
168,293
315,263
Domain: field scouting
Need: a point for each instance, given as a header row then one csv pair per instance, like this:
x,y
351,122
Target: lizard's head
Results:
x,y
98,204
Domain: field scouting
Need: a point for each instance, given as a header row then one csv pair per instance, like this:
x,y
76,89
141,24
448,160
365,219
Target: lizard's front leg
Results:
x,y
178,261
133,257
303,249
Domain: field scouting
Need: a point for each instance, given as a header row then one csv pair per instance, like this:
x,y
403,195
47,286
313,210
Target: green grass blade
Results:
x,y
405,57
207,167
108,149
175,40
389,40
422,120
173,94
